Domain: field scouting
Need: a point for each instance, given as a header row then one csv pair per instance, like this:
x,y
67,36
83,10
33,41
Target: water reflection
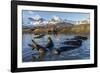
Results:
x,y
47,53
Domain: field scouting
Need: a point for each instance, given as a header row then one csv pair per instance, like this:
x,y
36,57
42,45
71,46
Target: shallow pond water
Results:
x,y
29,55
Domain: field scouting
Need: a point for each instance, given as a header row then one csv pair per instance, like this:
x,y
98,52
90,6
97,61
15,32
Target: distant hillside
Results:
x,y
77,29
59,28
82,28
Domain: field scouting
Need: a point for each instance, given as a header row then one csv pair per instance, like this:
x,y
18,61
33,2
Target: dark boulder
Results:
x,y
40,48
39,36
64,48
80,37
73,42
50,43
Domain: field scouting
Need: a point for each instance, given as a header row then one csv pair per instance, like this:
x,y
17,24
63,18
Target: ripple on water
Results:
x,y
28,54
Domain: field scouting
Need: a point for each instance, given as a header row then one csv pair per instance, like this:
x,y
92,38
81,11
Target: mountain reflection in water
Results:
x,y
29,55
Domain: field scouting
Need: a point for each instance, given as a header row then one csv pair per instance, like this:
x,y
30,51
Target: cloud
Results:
x,y
56,18
38,21
31,12
36,17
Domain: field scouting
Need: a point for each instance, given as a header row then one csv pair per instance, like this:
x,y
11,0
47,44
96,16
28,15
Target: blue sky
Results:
x,y
74,16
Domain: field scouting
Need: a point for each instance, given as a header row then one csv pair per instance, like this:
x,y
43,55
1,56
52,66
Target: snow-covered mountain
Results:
x,y
37,21
54,21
